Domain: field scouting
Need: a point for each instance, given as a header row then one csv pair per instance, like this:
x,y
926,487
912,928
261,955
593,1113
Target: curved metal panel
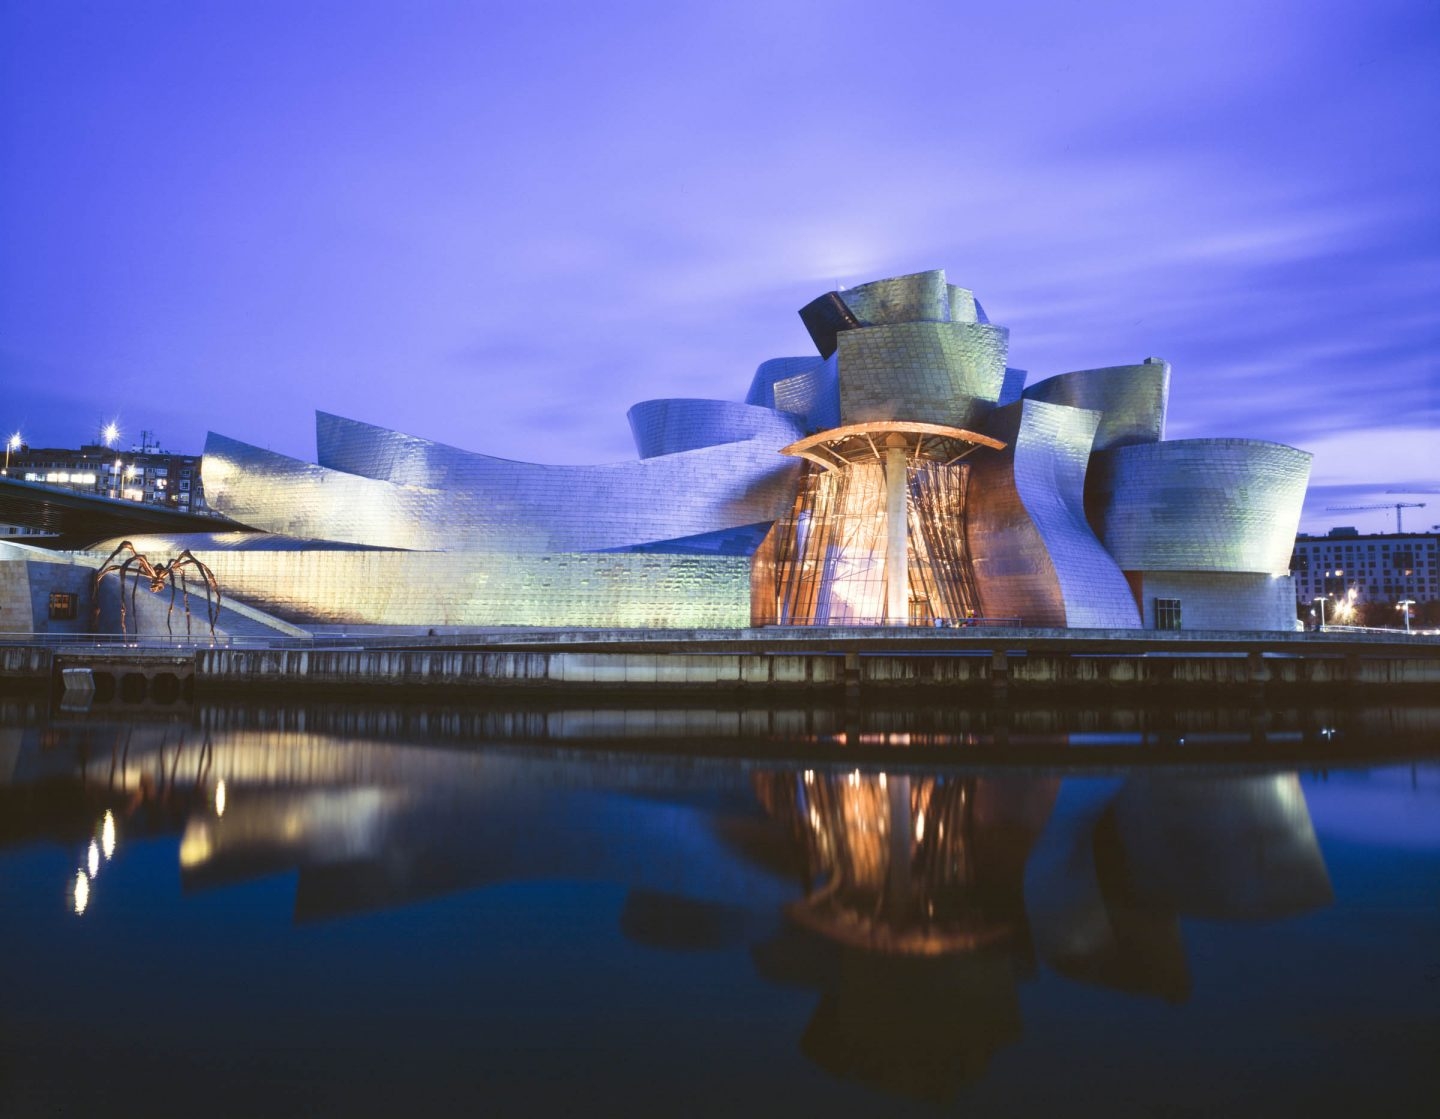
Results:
x,y
295,498
934,372
808,387
394,490
1013,387
667,427
918,297
769,373
962,304
1035,555
1199,504
1131,400
814,395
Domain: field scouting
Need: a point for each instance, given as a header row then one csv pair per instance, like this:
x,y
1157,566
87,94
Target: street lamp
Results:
x,y
1320,601
1404,606
14,443
110,433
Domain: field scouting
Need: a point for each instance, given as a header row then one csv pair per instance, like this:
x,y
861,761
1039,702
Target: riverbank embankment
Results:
x,y
845,660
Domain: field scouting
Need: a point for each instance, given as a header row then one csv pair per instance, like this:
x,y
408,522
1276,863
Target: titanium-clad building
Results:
x,y
902,475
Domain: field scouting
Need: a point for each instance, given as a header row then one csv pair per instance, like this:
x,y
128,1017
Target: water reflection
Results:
x,y
941,892
914,892
914,901
910,865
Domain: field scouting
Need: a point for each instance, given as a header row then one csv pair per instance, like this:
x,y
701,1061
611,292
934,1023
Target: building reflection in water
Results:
x,y
915,893
913,902
1109,884
936,895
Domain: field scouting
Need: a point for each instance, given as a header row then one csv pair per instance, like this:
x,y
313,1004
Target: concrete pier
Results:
x,y
851,662
1001,673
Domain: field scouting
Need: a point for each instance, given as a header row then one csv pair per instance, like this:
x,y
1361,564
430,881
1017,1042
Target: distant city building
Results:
x,y
1373,568
903,475
145,473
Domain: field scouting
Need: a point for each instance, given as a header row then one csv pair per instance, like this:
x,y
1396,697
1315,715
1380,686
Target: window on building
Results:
x,y
1167,613
63,606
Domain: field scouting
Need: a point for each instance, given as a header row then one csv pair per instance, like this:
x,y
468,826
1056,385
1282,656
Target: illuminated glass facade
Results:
x,y
877,532
902,475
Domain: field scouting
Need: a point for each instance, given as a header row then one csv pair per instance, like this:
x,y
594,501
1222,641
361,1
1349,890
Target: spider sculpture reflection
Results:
x,y
138,565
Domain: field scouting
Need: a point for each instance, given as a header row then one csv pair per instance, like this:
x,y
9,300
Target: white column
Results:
x,y
897,594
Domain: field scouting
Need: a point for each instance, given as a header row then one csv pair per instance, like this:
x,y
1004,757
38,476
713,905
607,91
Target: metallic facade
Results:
x,y
1207,525
903,475
920,297
808,387
935,372
667,427
1199,504
1131,400
1036,557
457,588
386,489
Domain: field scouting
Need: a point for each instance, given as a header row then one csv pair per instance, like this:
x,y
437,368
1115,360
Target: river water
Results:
x,y
319,910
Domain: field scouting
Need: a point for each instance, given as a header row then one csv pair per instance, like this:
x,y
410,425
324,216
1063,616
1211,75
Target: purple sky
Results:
x,y
500,225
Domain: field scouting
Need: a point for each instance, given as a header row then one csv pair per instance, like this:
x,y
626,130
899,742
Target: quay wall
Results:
x,y
22,664
1034,666
228,670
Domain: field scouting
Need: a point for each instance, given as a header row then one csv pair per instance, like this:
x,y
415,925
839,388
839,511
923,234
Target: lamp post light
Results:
x,y
1404,607
14,443
1320,601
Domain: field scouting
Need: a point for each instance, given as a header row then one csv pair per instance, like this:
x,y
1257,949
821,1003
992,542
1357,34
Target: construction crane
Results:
x,y
1398,506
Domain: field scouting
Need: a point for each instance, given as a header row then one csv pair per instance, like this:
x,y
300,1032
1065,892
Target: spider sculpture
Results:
x,y
140,567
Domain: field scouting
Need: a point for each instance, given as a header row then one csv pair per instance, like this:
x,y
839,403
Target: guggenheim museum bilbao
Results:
x,y
901,475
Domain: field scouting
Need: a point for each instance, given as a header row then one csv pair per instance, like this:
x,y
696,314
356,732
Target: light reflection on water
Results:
x,y
858,933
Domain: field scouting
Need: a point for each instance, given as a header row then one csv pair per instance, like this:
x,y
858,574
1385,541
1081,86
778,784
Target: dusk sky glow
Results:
x,y
499,226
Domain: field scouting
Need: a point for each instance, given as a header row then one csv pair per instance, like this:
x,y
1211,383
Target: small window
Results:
x,y
1167,613
63,606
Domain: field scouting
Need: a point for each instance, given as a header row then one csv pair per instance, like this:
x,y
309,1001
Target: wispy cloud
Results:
x,y
500,228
